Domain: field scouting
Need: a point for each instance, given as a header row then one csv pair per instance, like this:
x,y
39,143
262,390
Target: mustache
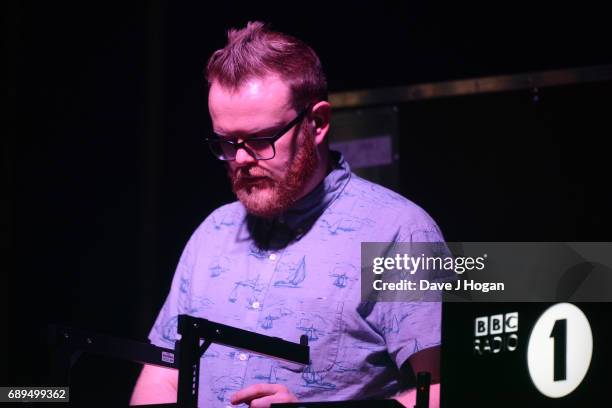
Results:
x,y
250,172
247,176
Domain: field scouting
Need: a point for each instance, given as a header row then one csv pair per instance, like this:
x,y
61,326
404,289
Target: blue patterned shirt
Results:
x,y
300,274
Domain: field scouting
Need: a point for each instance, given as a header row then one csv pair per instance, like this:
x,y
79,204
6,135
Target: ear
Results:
x,y
320,117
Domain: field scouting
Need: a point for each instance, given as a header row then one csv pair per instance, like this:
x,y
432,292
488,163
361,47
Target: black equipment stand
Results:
x,y
422,394
193,329
69,344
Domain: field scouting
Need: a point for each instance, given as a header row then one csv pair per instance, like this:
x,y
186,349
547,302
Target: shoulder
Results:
x,y
233,211
393,210
223,219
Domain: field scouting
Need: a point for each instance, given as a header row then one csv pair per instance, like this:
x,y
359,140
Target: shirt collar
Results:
x,y
308,208
295,222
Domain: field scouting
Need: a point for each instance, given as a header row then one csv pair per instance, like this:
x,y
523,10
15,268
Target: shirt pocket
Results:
x,y
321,321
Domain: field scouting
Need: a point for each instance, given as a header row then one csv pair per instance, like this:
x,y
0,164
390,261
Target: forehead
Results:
x,y
258,102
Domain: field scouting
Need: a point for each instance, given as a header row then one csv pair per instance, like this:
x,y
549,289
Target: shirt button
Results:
x,y
255,305
273,257
242,356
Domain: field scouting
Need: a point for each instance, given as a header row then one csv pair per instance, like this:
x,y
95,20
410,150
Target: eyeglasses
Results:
x,y
261,148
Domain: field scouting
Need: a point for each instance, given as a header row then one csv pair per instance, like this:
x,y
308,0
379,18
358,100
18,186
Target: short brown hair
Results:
x,y
256,51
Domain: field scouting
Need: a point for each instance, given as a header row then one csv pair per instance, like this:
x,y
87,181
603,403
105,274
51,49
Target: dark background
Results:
x,y
105,174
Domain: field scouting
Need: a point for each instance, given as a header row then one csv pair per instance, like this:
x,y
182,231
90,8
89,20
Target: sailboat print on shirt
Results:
x,y
224,386
222,220
343,274
252,284
314,379
275,314
393,327
271,377
309,329
218,265
340,280
339,223
294,277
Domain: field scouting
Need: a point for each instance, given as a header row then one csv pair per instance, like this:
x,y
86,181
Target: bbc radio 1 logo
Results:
x,y
496,333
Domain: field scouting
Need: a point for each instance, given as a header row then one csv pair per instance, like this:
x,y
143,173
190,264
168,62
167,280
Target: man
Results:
x,y
284,260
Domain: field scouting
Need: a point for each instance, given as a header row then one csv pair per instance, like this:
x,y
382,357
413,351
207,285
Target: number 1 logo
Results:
x,y
559,350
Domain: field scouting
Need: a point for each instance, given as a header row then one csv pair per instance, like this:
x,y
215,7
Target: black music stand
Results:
x,y
69,344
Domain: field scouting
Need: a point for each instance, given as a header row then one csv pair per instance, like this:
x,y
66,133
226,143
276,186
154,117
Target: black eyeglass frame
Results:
x,y
243,144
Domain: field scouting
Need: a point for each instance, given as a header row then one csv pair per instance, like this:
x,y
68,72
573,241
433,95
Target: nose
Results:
x,y
243,157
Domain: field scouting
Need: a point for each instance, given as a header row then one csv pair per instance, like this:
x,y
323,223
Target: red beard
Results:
x,y
263,195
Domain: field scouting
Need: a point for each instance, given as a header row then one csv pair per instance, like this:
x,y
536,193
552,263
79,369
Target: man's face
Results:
x,y
261,107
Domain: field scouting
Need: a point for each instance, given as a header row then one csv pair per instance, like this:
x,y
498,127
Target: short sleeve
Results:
x,y
164,331
410,326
